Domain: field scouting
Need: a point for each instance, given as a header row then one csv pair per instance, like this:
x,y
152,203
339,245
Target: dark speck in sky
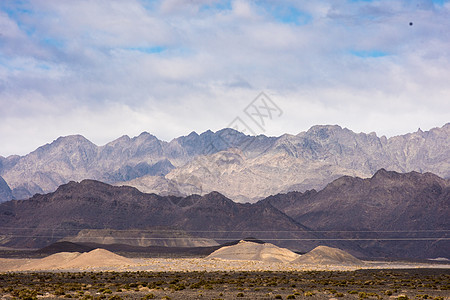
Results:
x,y
410,23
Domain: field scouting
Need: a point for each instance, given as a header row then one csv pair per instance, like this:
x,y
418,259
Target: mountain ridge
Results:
x,y
197,163
91,204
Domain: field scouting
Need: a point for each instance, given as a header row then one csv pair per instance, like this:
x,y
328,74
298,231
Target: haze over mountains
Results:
x,y
244,168
388,215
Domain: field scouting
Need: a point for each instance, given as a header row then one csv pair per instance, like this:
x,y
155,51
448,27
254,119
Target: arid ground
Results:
x,y
359,284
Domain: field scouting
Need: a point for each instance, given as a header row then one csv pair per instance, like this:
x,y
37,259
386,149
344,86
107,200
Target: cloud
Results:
x,y
175,66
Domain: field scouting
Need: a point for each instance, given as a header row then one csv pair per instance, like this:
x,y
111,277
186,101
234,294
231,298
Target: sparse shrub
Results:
x,y
148,296
25,294
240,295
290,297
278,297
362,295
402,297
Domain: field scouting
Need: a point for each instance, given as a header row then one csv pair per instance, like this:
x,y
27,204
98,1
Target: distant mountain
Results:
x,y
406,208
44,219
242,167
306,161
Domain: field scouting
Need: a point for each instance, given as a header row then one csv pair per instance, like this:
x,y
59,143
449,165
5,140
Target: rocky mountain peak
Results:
x,y
122,141
145,136
216,199
324,132
75,138
192,135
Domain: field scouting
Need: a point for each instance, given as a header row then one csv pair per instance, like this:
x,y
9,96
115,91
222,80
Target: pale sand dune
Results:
x,y
323,255
13,264
253,251
98,258
51,262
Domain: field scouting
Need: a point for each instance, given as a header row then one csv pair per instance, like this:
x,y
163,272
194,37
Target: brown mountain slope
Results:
x,y
406,208
44,219
388,215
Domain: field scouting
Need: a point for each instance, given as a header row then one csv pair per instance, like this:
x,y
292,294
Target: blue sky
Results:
x,y
108,68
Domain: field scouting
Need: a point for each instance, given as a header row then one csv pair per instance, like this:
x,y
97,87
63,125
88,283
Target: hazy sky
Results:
x,y
108,68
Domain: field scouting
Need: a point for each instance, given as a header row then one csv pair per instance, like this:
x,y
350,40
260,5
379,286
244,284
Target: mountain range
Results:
x,y
243,168
388,215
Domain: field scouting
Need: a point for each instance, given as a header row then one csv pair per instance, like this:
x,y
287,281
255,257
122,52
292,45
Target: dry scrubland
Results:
x,y
360,284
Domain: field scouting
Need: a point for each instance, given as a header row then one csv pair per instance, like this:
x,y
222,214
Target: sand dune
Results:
x,y
55,261
98,258
323,255
253,251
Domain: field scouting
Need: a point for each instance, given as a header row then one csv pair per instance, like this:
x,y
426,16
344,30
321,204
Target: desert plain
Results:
x,y
246,270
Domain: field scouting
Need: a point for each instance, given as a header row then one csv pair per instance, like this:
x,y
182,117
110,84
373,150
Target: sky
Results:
x,y
105,68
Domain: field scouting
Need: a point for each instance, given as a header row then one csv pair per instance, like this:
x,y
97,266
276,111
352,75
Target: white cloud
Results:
x,y
107,68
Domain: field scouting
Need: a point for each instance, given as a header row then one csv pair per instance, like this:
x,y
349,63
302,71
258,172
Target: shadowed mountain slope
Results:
x,y
388,215
90,204
5,191
401,210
